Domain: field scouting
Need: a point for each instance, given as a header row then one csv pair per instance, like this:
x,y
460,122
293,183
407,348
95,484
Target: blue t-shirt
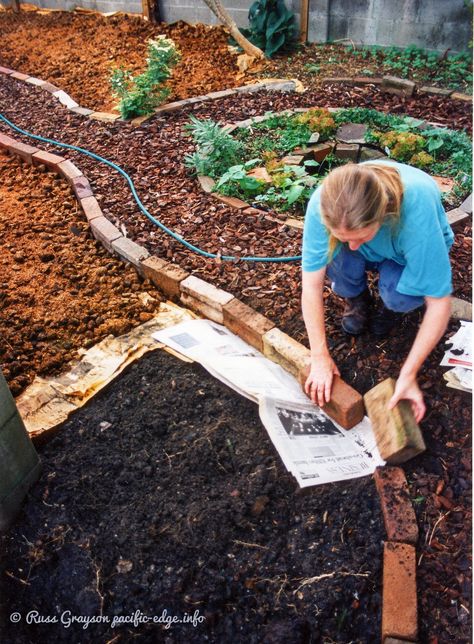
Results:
x,y
420,241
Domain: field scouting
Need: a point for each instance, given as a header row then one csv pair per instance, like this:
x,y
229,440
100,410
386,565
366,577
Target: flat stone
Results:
x,y
435,91
130,251
285,351
397,509
314,138
206,183
460,309
399,610
246,323
369,154
398,86
352,133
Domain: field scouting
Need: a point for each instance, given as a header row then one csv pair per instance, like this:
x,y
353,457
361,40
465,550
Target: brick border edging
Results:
x,y
274,85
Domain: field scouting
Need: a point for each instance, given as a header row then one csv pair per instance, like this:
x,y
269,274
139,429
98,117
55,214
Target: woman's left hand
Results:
x,y
406,388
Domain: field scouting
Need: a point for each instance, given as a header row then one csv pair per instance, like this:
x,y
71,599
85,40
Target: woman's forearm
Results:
x,y
313,314
432,328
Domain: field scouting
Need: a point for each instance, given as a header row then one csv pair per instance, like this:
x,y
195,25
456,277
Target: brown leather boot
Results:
x,y
356,313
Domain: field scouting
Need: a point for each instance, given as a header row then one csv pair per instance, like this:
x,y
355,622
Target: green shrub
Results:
x,y
216,150
140,95
319,120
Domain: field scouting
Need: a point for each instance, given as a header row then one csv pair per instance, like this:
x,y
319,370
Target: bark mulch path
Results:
x,y
60,290
440,479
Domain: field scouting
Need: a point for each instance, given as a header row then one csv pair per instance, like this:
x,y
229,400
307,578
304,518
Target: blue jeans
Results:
x,y
348,274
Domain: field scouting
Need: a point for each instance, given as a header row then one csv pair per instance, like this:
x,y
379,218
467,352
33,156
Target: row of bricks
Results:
x,y
346,405
69,103
400,86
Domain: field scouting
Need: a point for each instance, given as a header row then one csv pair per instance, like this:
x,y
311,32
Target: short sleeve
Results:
x,y
315,237
424,240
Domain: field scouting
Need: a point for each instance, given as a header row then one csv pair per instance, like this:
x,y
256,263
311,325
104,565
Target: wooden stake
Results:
x,y
304,19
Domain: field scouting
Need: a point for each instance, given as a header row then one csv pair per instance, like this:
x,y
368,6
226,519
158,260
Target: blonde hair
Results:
x,y
356,196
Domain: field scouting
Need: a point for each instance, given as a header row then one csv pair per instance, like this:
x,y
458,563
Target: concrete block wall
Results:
x,y
431,24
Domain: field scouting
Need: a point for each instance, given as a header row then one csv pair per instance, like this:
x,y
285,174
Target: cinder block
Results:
x,y
91,208
205,292
397,509
165,276
396,431
81,187
231,201
346,406
397,86
19,76
130,251
69,171
23,150
285,351
48,159
399,612
246,323
105,232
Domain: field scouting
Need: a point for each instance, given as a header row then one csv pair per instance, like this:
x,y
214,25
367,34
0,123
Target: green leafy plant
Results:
x,y
318,120
216,149
140,95
271,26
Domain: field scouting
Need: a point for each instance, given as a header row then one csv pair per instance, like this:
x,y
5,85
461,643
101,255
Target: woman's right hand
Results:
x,y
319,382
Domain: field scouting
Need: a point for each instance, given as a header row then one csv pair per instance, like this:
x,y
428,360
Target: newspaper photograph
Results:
x,y
312,446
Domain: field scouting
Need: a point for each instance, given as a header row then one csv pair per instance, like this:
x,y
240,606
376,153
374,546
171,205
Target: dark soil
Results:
x,y
182,504
440,480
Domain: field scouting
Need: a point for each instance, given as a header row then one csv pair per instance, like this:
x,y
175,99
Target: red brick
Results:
x,y
49,87
69,171
81,187
397,509
164,275
19,76
6,141
130,251
246,323
6,70
399,612
46,158
321,150
232,201
105,232
91,208
346,406
23,150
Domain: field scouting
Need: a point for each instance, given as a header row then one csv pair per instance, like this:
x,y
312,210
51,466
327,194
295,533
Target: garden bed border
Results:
x,y
399,602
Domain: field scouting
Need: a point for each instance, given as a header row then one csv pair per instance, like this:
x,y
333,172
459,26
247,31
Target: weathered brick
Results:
x,y
397,509
399,612
347,80
368,154
103,116
397,86
65,99
105,231
321,150
23,150
6,141
130,251
37,82
221,94
165,276
83,111
467,205
460,309
19,76
206,183
201,308
139,120
285,351
352,133
49,87
81,187
91,208
254,212
435,91
347,151
346,406
6,70
246,322
232,201
294,223
69,171
205,292
293,159
367,80
456,215
171,107
459,96
48,159
396,431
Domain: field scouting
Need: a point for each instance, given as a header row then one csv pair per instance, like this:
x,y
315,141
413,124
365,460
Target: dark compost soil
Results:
x,y
181,503
440,480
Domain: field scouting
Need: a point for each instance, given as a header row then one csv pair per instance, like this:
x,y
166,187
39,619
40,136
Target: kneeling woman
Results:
x,y
386,217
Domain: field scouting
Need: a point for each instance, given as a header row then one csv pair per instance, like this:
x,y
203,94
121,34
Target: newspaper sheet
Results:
x,y
313,447
459,356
